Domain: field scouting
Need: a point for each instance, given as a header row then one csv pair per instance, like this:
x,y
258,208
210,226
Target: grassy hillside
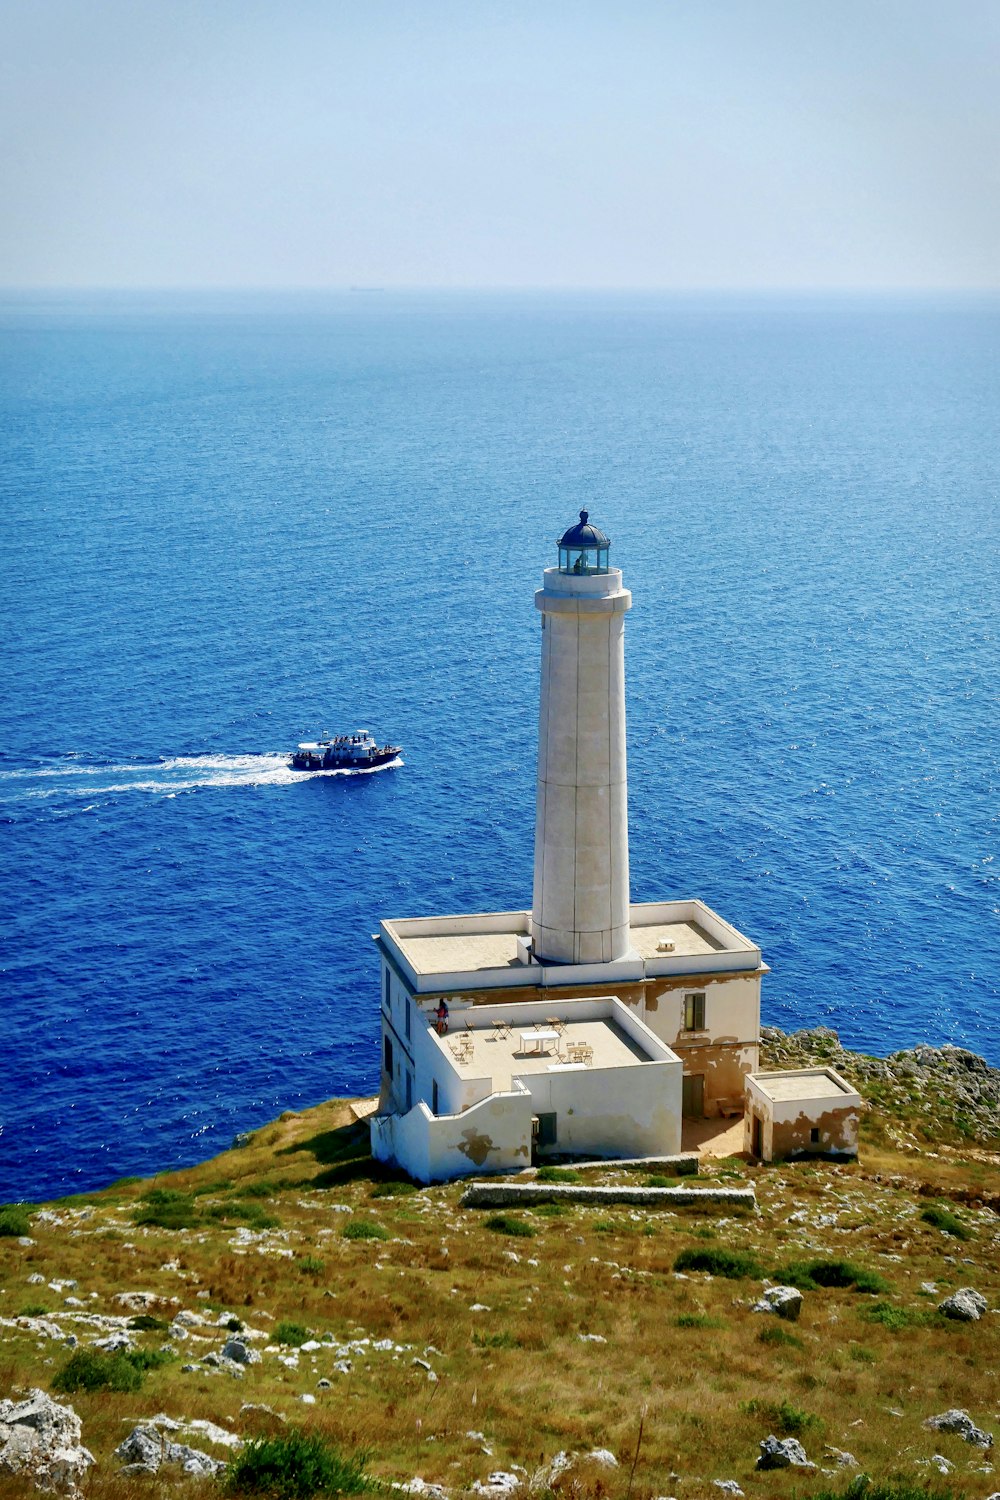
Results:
x,y
452,1342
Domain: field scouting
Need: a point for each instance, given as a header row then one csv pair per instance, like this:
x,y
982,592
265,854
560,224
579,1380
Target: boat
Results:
x,y
345,752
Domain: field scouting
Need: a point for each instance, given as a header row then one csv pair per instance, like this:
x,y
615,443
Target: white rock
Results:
x,y
960,1422
966,1305
115,1343
500,1482
40,1440
591,1338
784,1301
137,1301
220,1435
728,1487
240,1353
308,1398
782,1453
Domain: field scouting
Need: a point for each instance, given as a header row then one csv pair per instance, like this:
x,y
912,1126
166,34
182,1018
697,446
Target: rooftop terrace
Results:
x,y
490,949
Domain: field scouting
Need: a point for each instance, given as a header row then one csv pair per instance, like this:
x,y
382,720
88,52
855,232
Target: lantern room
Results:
x,y
583,549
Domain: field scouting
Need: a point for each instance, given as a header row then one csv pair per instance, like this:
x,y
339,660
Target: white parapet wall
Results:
x,y
474,1111
491,1136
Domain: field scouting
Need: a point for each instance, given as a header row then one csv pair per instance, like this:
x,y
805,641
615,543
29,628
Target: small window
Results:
x,y
694,1012
387,990
387,1054
546,1130
409,1090
434,1097
814,1135
406,1015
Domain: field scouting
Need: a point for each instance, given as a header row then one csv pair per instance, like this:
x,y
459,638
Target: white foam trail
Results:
x,y
182,773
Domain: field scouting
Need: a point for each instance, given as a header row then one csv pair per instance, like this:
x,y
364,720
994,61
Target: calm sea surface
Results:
x,y
231,523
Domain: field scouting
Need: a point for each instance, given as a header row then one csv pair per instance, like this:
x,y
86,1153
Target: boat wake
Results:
x,y
72,779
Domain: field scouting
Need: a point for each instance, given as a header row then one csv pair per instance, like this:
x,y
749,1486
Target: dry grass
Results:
x,y
686,1348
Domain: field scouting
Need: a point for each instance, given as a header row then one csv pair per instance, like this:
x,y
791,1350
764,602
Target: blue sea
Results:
x,y
230,522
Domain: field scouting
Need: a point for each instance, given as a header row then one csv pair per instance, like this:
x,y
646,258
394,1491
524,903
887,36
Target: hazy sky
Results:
x,y
624,143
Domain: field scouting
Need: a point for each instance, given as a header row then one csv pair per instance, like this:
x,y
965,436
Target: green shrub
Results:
x,y
697,1320
295,1465
503,1340
509,1224
863,1488
942,1218
91,1370
656,1180
292,1334
394,1188
234,1325
810,1275
146,1323
165,1208
774,1334
310,1265
257,1190
558,1174
250,1214
14,1221
149,1359
552,1210
606,1226
781,1416
863,1356
221,1186
733,1264
890,1315
34,1310
364,1229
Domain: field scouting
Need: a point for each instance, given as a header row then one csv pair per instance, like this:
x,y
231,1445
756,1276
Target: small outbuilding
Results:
x,y
800,1112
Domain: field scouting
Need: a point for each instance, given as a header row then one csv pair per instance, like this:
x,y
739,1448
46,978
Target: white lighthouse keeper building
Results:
x,y
580,906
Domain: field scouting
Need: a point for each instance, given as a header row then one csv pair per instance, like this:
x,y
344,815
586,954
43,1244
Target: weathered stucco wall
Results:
x,y
492,1136
804,1126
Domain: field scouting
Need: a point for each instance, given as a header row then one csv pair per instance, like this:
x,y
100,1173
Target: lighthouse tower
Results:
x,y
580,904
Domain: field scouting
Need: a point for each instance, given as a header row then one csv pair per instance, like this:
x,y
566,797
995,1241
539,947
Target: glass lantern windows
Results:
x,y
583,560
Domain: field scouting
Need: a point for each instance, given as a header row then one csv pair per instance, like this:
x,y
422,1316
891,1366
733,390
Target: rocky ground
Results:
x,y
848,1324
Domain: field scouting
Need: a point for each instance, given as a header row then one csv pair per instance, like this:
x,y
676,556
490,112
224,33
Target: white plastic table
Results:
x,y
538,1042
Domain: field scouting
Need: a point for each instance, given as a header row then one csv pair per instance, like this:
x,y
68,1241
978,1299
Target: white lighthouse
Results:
x,y
580,904
586,1027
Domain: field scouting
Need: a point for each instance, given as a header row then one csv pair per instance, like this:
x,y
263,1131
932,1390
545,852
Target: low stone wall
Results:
x,y
525,1194
673,1166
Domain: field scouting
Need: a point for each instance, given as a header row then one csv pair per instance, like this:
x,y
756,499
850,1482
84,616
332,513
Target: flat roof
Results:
x,y
686,938
802,1083
530,1048
461,952
665,937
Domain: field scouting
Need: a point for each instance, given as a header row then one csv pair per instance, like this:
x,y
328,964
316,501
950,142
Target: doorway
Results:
x,y
693,1096
757,1138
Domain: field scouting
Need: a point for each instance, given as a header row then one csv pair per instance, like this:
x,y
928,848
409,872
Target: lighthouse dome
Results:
x,y
584,535
583,548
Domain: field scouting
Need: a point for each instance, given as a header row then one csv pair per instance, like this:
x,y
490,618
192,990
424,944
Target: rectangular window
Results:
x,y
407,1003
434,1097
694,1012
814,1135
546,1130
387,1054
409,1090
387,991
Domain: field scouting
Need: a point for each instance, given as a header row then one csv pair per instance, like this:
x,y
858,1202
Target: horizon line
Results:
x,y
377,288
